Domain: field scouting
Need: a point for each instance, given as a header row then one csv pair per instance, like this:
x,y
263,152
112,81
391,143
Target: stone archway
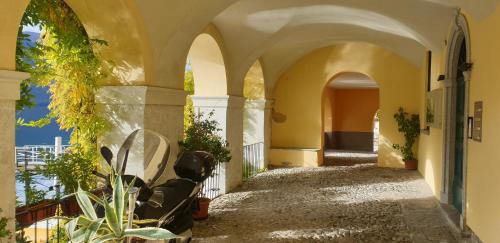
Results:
x,y
456,98
207,62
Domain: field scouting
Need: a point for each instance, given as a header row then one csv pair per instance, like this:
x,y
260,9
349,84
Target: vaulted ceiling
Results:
x,y
276,32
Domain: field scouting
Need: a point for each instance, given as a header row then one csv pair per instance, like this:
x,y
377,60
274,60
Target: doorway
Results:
x,y
455,126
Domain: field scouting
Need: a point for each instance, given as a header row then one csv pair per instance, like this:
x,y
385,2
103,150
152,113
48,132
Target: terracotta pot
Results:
x,y
201,211
411,164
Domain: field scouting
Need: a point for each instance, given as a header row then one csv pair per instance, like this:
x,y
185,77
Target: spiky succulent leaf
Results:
x,y
85,204
119,200
150,233
92,229
112,220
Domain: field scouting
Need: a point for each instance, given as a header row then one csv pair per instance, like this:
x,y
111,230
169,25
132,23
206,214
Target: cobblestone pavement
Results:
x,y
359,203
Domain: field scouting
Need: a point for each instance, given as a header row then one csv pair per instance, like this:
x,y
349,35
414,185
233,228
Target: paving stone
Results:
x,y
359,203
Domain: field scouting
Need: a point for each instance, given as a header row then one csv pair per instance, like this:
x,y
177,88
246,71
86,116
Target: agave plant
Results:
x,y
117,225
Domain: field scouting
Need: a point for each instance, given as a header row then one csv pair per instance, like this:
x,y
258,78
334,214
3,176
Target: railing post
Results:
x,y
58,148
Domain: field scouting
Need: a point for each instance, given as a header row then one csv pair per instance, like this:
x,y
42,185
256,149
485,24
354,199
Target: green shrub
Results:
x,y
409,125
202,135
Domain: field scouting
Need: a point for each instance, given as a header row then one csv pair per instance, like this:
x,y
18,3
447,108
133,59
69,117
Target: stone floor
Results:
x,y
359,203
347,158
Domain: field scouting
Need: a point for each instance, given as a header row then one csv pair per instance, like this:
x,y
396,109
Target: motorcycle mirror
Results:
x,y
107,154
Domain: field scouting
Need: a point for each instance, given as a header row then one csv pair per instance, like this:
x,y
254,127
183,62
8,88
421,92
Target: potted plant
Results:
x,y
117,225
202,134
409,125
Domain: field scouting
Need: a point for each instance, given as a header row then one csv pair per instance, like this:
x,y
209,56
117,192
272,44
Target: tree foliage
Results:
x,y
189,88
409,125
65,61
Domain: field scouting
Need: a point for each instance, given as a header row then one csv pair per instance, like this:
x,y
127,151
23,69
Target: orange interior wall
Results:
x,y
355,109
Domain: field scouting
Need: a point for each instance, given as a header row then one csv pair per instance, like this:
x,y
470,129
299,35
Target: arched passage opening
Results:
x,y
206,84
70,44
350,101
254,127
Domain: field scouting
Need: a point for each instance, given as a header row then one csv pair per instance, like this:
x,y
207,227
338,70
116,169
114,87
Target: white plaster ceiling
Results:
x,y
352,81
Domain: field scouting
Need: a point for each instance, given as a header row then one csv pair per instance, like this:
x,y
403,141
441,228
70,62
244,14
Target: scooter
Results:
x,y
170,202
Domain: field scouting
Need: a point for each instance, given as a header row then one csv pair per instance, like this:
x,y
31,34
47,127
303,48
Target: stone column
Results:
x,y
129,108
9,92
228,111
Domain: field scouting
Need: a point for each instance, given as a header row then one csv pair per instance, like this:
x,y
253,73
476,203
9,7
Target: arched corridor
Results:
x,y
262,66
361,203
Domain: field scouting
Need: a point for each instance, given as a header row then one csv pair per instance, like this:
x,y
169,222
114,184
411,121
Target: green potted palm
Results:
x,y
202,134
409,125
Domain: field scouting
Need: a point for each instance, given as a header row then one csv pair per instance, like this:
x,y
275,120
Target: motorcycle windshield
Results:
x,y
144,154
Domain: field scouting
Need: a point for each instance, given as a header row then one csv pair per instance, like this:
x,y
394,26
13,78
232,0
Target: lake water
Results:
x,y
40,183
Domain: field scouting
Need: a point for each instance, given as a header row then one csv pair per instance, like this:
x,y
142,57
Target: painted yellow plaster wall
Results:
x,y
431,144
483,198
483,158
10,17
298,94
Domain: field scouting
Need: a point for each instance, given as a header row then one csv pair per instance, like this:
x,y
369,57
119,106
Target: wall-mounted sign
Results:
x,y
477,132
434,104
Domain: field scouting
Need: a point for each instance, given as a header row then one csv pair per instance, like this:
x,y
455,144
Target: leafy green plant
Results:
x,y
409,125
32,194
4,232
65,59
72,168
202,135
189,88
114,226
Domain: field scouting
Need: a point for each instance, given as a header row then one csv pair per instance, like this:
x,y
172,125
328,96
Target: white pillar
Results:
x,y
268,111
257,125
228,111
9,92
129,108
58,149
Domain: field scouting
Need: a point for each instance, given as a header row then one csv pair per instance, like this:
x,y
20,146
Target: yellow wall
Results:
x,y
483,160
483,200
298,94
431,144
355,109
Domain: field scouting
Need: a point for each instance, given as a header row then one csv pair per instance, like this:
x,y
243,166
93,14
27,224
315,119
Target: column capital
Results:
x,y
141,95
218,101
10,82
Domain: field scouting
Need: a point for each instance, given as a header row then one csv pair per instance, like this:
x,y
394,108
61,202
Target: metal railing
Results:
x,y
37,224
34,155
253,159
211,187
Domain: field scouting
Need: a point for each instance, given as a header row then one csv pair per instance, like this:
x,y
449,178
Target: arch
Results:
x,y
349,101
208,66
255,137
459,50
128,46
253,85
397,79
